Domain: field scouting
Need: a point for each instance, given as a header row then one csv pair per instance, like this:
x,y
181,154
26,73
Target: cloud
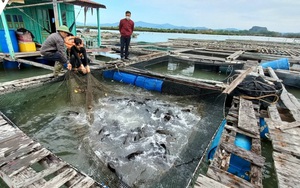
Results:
x,y
277,15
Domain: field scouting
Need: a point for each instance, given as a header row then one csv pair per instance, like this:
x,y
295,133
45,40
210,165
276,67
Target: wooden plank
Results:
x,y
260,71
20,164
29,147
274,127
25,174
204,182
2,122
235,55
245,154
286,158
286,148
232,128
287,125
7,136
227,179
247,120
53,168
14,144
86,182
256,172
291,103
287,138
273,113
272,73
237,81
61,178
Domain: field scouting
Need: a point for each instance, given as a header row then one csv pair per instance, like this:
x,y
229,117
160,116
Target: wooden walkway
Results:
x,y
241,119
25,163
284,128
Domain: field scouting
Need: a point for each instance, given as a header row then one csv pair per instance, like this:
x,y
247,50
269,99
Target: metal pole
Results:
x,y
55,14
99,30
7,36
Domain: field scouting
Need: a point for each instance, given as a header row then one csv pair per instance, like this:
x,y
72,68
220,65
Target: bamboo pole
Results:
x,y
98,25
55,10
32,5
7,36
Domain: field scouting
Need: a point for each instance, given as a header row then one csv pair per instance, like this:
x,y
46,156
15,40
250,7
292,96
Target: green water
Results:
x,y
14,74
45,114
185,69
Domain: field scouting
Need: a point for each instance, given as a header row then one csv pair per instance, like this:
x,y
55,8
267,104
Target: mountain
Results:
x,y
145,24
257,29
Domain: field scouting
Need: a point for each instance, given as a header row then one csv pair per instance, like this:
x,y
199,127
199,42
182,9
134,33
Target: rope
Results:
x,y
261,98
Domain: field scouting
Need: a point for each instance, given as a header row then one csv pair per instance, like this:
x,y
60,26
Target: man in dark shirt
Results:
x,y
54,49
78,57
126,27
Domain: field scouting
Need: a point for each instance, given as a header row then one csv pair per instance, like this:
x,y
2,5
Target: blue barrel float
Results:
x,y
237,165
124,77
4,45
150,84
4,48
282,63
215,142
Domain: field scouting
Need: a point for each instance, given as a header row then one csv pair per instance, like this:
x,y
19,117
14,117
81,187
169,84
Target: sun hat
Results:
x,y
64,29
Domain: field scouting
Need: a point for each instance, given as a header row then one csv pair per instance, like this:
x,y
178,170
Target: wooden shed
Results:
x,y
42,17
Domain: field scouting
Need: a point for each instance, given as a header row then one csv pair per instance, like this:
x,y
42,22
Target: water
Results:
x,y
14,74
45,114
184,69
163,37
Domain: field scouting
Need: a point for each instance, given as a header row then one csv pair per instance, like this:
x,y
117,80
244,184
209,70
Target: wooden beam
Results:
x,y
35,64
247,120
272,73
31,5
232,128
235,55
204,182
237,81
227,178
260,71
245,154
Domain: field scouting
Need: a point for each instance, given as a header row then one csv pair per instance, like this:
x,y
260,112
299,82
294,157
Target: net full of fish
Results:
x,y
140,139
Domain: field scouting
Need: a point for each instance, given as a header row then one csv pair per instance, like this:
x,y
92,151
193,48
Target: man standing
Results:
x,y
126,27
54,49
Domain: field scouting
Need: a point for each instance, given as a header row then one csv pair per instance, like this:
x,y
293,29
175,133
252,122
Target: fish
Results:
x,y
165,132
133,155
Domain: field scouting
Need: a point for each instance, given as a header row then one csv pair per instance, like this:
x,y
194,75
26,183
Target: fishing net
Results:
x,y
85,90
256,87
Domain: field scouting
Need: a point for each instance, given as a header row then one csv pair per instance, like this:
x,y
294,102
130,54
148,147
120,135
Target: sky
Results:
x,y
276,15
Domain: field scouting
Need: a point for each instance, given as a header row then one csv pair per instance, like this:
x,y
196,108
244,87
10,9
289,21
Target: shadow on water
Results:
x,y
45,114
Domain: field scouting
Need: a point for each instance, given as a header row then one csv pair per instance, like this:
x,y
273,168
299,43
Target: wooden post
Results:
x,y
98,25
59,14
7,36
55,14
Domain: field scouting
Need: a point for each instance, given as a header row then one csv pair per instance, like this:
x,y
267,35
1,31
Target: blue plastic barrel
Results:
x,y
215,142
149,83
124,77
282,63
108,74
10,64
263,128
237,165
4,45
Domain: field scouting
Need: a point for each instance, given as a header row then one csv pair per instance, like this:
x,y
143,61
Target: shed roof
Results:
x,y
85,3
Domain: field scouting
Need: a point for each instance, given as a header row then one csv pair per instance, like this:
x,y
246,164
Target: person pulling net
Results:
x,y
77,54
83,87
